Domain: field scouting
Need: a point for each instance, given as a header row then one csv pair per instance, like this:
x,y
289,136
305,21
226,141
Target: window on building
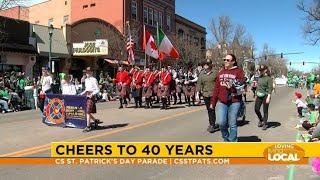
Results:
x,y
160,20
134,10
50,21
85,6
145,15
93,5
203,42
155,17
66,19
180,33
65,2
150,16
196,41
168,23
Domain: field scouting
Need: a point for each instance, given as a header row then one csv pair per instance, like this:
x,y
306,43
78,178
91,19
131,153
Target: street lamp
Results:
x,y
50,28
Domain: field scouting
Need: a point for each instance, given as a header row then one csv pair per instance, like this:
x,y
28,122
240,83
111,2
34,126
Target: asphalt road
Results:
x,y
23,134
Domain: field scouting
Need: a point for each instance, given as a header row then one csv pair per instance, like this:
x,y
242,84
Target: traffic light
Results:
x,y
281,55
265,57
290,63
303,63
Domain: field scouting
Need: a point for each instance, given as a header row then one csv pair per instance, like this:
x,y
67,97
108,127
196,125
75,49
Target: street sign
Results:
x,y
98,47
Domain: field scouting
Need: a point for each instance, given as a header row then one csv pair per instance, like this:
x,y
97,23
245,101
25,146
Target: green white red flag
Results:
x,y
165,46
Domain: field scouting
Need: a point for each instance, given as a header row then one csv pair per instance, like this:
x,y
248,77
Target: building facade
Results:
x,y
55,12
60,51
17,12
17,47
90,22
191,39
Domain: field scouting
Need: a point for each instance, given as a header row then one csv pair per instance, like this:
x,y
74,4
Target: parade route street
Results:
x,y
24,135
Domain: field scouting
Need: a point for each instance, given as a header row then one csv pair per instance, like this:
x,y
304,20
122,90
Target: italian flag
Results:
x,y
165,46
149,45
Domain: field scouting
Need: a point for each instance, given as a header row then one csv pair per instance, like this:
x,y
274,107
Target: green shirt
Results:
x,y
265,85
313,116
5,94
206,83
21,84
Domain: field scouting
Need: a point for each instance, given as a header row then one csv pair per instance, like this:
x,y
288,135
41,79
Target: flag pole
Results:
x,y
144,45
129,33
158,42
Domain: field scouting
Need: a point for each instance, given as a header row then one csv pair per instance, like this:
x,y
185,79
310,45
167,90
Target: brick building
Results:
x,y
89,20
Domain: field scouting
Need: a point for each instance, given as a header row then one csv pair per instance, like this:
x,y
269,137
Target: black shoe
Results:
x,y
121,107
260,124
213,129
96,123
180,102
265,127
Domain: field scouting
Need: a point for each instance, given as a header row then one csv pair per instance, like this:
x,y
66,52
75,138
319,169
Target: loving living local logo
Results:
x,y
284,153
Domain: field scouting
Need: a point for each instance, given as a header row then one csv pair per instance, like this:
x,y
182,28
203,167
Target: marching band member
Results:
x,y
190,87
172,87
164,85
67,87
91,89
149,78
179,84
122,82
136,86
156,84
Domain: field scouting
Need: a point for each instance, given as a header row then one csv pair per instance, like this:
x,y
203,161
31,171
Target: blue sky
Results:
x,y
276,22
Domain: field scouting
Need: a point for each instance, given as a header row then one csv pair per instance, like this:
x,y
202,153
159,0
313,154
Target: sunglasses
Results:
x,y
227,60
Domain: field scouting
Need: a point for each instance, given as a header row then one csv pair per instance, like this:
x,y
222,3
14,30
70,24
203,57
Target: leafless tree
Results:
x,y
221,31
311,28
277,65
229,38
316,70
116,42
190,53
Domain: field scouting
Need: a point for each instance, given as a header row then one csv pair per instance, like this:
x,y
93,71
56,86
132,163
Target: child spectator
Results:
x,y
299,103
313,120
105,96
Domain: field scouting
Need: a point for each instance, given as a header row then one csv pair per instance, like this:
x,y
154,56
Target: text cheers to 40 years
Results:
x,y
131,150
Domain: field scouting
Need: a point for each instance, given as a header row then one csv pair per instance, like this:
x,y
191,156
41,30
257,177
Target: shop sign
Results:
x,y
98,47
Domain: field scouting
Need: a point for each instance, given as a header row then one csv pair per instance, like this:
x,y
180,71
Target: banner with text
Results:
x,y
65,111
262,153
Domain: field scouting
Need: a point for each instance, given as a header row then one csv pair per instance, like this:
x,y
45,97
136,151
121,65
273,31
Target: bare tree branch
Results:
x,y
222,32
278,65
311,27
